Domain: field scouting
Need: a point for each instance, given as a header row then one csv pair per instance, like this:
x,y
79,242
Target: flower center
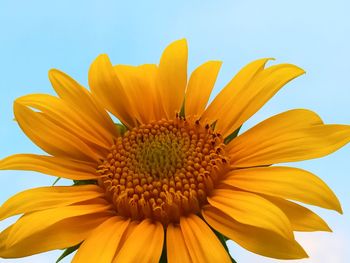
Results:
x,y
163,170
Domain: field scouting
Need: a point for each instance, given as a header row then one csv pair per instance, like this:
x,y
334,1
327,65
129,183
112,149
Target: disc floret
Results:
x,y
163,169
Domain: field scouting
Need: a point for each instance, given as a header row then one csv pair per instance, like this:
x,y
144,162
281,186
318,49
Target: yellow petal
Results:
x,y
202,244
35,222
199,87
51,136
172,77
285,182
144,244
66,233
70,119
251,209
227,95
77,97
106,86
70,169
140,84
246,93
252,97
101,245
177,251
48,197
129,230
256,240
301,218
287,137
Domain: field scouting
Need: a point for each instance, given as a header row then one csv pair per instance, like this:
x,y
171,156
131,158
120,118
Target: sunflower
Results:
x,y
172,181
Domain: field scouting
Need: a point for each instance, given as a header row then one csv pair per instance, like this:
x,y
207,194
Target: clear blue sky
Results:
x,y
39,35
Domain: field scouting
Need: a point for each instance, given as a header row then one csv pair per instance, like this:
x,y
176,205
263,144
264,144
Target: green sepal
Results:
x,y
121,129
212,126
232,136
83,182
223,240
163,257
55,182
182,111
67,252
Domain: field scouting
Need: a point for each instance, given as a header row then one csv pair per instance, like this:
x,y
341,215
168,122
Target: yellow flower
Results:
x,y
175,173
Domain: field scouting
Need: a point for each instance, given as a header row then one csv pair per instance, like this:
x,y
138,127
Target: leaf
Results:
x,y
67,252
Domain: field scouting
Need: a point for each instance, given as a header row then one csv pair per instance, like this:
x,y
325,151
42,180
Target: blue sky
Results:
x,y
39,35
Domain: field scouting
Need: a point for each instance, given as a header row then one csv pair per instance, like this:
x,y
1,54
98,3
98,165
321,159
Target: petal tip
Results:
x,y
53,71
339,209
298,70
54,74
335,204
182,41
179,45
300,254
102,58
328,229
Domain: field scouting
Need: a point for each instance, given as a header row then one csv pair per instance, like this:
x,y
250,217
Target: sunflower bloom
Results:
x,y
173,180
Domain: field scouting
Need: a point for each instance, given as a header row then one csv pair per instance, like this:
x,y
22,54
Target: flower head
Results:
x,y
173,180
